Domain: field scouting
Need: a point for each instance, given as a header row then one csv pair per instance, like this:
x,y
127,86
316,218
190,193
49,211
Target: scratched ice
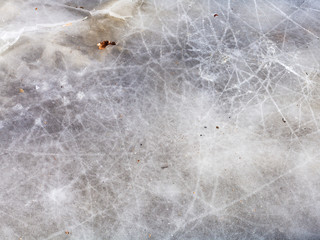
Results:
x,y
202,122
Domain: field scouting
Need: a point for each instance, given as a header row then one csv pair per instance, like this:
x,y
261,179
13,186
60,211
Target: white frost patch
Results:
x,y
66,101
80,95
58,195
38,121
17,107
45,86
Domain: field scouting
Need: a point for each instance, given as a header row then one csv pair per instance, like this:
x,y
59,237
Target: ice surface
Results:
x,y
194,126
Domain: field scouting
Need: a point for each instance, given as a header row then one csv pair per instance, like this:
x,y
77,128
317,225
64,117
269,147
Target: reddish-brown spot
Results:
x,y
104,44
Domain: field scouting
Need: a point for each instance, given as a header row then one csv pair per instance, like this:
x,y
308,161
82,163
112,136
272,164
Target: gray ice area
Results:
x,y
202,122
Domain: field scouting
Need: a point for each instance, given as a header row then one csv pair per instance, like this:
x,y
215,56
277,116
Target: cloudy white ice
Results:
x,y
202,122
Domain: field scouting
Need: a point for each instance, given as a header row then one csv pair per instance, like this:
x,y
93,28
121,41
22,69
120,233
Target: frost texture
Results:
x,y
194,126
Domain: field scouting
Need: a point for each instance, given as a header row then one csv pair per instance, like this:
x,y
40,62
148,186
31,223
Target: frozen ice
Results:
x,y
202,122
